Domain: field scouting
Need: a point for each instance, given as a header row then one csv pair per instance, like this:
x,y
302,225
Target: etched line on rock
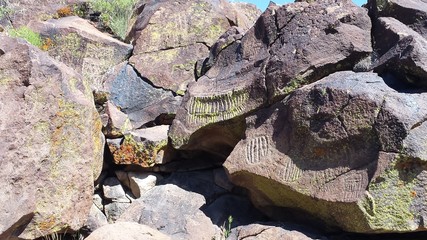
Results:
x,y
257,150
290,172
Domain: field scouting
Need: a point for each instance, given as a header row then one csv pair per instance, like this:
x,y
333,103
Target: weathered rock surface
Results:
x,y
347,150
412,13
403,51
51,143
75,42
136,97
173,35
138,183
143,147
127,231
288,47
172,211
266,232
115,122
96,219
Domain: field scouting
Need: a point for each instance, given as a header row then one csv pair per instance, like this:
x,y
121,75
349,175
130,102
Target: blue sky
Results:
x,y
262,4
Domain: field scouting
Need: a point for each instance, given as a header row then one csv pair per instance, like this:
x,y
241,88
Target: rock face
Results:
x,y
173,35
128,231
168,209
288,47
347,149
266,232
51,143
75,42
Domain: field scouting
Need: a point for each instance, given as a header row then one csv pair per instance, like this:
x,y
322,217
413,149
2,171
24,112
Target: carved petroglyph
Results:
x,y
257,150
290,172
354,187
217,107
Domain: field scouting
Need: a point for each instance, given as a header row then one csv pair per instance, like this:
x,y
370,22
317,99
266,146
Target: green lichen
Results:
x,y
292,85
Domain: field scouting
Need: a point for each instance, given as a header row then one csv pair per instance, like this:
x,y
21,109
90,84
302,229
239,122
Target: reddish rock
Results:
x,y
51,143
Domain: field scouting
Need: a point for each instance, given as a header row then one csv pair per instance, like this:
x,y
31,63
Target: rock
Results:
x,y
266,232
138,183
97,200
173,35
221,179
172,211
117,122
412,13
96,219
114,210
127,231
137,98
51,144
20,12
201,182
403,52
283,51
75,42
144,147
346,150
113,190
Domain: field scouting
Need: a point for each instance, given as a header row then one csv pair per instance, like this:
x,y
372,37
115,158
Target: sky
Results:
x,y
262,4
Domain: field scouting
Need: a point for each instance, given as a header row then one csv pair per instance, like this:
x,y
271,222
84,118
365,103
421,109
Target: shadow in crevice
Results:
x,y
400,83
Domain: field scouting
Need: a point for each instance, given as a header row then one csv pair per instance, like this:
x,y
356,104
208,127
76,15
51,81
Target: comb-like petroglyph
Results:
x,y
257,150
214,108
290,172
354,187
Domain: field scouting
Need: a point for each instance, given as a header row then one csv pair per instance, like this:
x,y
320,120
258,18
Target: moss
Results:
x,y
28,34
292,85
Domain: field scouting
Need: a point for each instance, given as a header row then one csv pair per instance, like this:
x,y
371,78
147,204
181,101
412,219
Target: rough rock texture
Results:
x,y
115,122
412,13
348,150
144,147
51,143
173,35
96,219
138,183
172,211
127,231
75,42
136,97
289,46
266,232
20,12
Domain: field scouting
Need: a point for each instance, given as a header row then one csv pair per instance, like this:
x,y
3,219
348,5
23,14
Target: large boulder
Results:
x,y
173,35
347,150
51,143
173,211
127,231
77,43
288,47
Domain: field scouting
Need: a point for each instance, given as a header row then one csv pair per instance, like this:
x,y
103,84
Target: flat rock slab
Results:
x,y
348,150
51,148
128,231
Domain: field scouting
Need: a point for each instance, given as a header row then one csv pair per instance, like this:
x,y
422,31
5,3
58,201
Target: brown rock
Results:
x,y
288,47
266,232
75,42
346,150
170,36
127,231
51,145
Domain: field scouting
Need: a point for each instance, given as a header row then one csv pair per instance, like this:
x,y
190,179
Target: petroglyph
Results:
x,y
290,172
257,150
217,107
354,187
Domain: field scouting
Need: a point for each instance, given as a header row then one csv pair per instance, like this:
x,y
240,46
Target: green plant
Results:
x,y
27,34
5,10
115,14
227,230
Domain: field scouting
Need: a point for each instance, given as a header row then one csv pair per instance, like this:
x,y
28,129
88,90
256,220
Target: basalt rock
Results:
x,y
288,47
173,35
51,143
347,150
131,230
78,44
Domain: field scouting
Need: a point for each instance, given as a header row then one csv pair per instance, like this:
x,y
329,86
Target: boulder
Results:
x,y
144,147
267,232
127,231
173,35
288,47
78,44
136,97
51,143
113,190
114,210
402,51
138,183
412,13
347,150
173,211
96,219
115,122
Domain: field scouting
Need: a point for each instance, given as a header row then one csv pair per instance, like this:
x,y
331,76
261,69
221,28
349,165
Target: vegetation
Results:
x,y
115,14
27,34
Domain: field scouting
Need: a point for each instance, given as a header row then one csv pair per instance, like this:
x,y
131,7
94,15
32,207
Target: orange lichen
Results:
x,y
47,44
65,12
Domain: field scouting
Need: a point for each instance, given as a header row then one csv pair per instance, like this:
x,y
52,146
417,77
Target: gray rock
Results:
x,y
113,190
267,232
172,211
96,219
114,210
138,183
127,231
